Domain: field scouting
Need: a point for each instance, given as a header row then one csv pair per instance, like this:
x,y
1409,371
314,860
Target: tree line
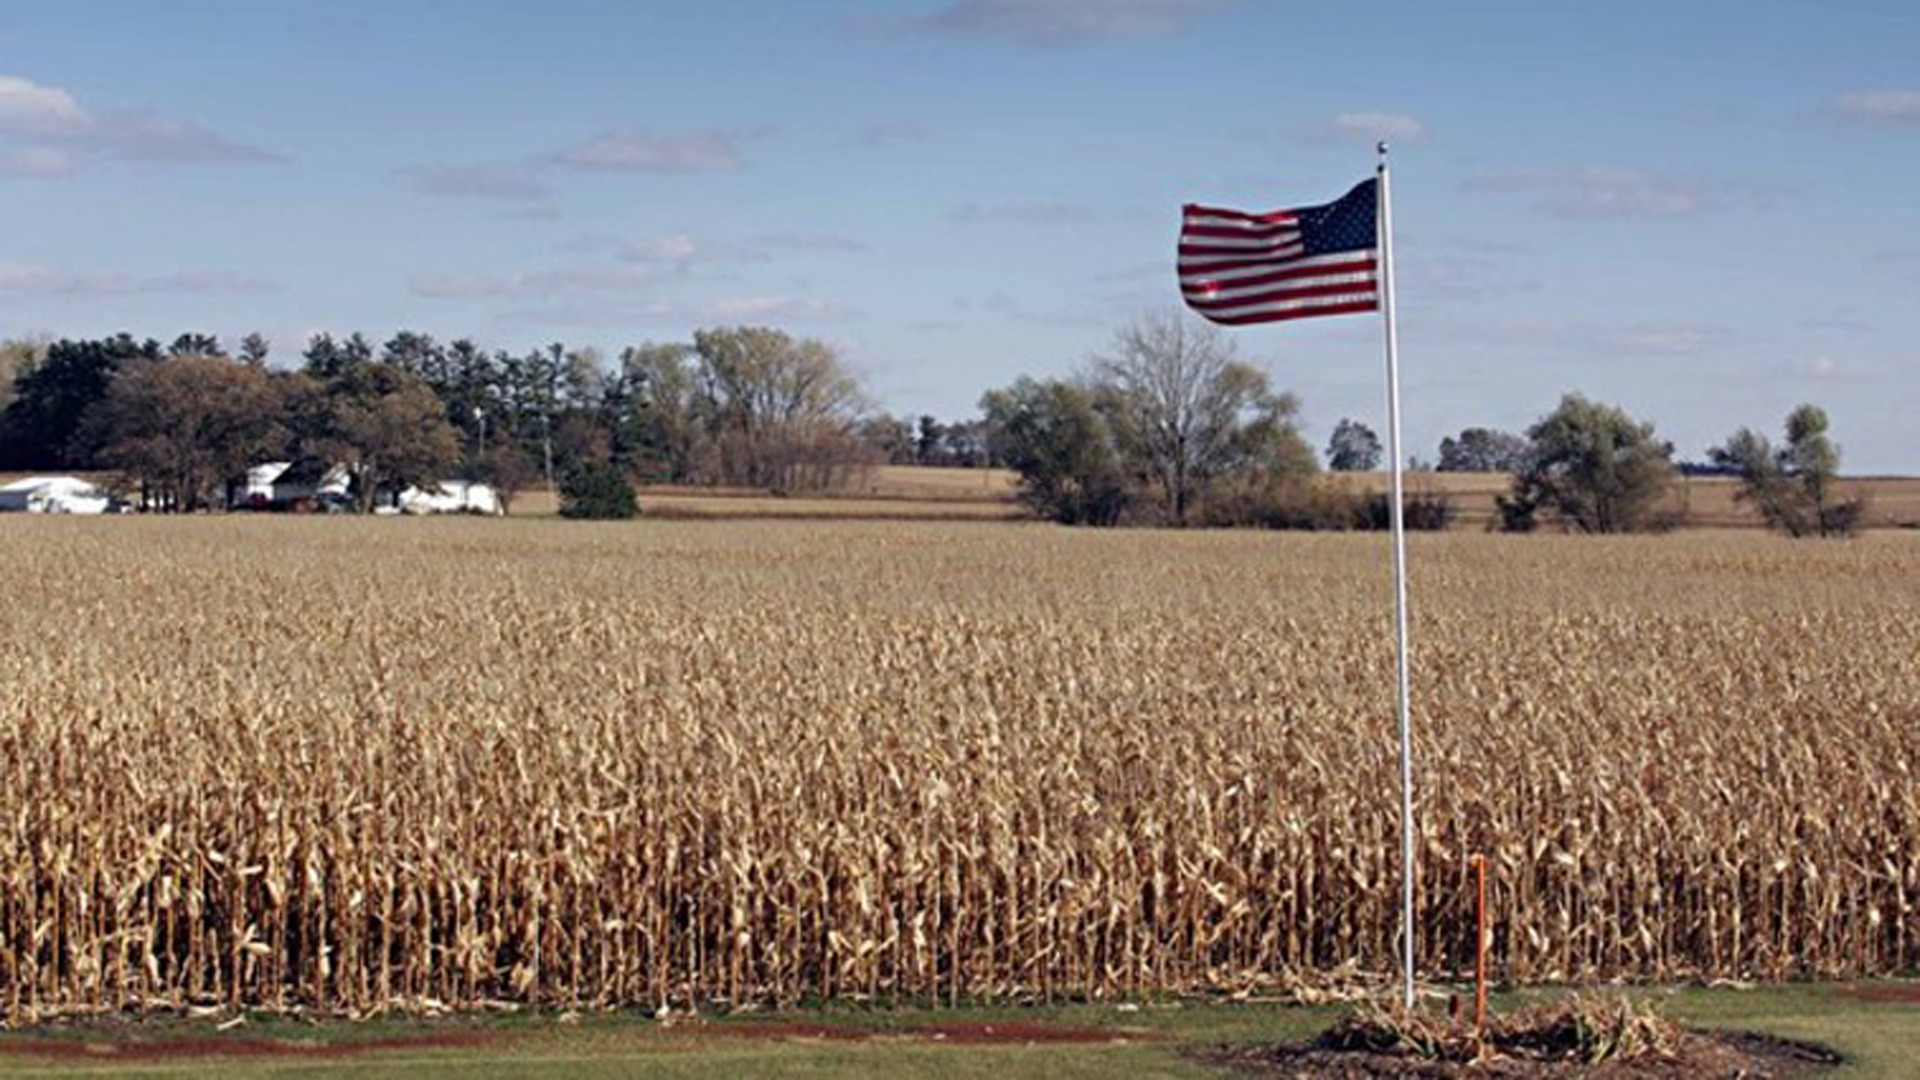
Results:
x,y
1170,427
747,406
1167,426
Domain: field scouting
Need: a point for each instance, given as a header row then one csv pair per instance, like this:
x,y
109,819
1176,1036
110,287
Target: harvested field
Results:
x,y
1693,502
353,763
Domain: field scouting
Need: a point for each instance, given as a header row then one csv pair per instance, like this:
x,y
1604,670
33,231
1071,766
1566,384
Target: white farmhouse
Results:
x,y
277,483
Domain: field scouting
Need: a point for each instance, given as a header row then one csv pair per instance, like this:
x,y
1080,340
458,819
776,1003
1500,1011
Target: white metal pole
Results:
x,y
1396,514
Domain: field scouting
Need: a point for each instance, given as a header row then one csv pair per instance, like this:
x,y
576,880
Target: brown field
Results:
x,y
914,493
885,493
910,492
361,763
1696,502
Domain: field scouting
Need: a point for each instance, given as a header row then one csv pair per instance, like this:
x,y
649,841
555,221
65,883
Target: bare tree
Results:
x,y
1187,411
781,411
17,357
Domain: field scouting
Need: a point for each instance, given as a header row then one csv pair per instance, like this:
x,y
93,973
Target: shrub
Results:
x,y
1793,486
597,492
1421,511
1598,469
1327,508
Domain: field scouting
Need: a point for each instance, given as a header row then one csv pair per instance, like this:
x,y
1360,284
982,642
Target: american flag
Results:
x,y
1238,268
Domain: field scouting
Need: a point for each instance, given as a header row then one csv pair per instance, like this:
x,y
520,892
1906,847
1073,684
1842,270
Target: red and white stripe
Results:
x,y
1238,268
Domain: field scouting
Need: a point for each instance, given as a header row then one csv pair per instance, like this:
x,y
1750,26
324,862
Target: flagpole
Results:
x,y
1396,514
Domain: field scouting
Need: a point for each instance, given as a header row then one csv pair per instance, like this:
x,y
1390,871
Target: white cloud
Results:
x,y
1829,369
1618,340
502,182
1026,212
27,108
1002,305
1370,127
683,250
36,161
1598,193
537,285
1062,22
678,249
18,279
777,309
809,241
54,135
1900,107
881,134
642,150
533,213
136,135
1458,277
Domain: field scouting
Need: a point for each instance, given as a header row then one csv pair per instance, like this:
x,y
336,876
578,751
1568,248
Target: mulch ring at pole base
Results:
x,y
1579,1039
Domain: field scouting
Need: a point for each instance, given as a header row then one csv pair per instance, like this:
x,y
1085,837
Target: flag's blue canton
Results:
x,y
1343,225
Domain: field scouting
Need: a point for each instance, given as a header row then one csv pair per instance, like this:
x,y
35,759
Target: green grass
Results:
x,y
1880,1040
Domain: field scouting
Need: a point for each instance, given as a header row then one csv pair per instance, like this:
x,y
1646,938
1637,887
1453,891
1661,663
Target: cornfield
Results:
x,y
370,764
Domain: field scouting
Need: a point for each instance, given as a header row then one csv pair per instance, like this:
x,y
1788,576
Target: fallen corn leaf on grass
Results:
x,y
1580,1030
367,764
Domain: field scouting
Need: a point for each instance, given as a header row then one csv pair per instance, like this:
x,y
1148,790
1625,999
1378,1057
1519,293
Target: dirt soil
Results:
x,y
171,1048
1701,1056
1895,994
148,1048
970,1034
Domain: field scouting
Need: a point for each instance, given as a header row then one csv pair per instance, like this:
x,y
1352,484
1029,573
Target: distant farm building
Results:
x,y
287,483
450,497
53,495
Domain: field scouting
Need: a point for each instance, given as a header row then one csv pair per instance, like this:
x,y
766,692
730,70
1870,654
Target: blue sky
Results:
x,y
1702,211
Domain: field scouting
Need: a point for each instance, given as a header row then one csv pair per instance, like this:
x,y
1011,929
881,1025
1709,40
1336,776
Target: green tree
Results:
x,y
468,387
597,492
186,427
417,354
930,442
381,422
327,359
891,438
254,349
531,392
1793,486
1353,448
41,426
1483,450
658,423
1063,449
191,344
1597,468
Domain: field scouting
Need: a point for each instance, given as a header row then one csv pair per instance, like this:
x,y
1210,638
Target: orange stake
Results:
x,y
1480,953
